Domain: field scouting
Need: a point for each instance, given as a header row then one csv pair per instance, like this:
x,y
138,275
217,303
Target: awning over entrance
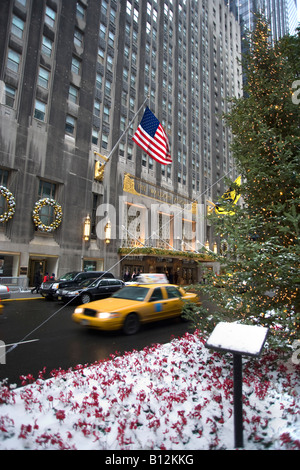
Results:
x,y
181,268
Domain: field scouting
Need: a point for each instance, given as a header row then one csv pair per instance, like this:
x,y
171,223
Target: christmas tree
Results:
x,y
259,236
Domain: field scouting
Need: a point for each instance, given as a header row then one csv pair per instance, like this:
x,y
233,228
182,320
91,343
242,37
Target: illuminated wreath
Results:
x,y
57,212
11,203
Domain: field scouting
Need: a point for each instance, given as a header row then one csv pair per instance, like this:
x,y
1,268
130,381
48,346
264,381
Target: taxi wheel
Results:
x,y
131,324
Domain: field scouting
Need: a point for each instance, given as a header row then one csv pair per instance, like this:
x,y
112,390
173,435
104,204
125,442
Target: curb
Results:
x,y
22,298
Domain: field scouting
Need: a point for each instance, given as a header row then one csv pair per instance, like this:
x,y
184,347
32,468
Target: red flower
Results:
x,y
60,415
217,398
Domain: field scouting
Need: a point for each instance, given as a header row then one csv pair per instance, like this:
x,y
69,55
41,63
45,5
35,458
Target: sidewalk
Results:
x,y
21,295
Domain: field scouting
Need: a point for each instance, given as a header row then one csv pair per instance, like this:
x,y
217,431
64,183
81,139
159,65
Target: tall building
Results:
x,y
293,16
74,80
282,15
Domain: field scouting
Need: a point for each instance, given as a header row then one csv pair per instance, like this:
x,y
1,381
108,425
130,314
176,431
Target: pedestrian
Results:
x,y
127,276
37,282
52,277
46,277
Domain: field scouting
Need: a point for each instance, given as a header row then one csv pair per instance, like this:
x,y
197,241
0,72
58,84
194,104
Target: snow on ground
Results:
x,y
176,396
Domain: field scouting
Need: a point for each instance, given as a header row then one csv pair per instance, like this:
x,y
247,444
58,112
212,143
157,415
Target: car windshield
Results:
x,y
68,276
131,293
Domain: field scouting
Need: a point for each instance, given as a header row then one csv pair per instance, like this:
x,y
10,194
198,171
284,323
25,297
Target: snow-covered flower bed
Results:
x,y
176,396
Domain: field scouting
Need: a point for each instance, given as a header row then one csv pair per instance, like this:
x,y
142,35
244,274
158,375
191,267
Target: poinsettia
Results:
x,y
173,396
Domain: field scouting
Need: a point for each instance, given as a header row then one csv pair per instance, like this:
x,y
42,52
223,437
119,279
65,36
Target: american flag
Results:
x,y
151,137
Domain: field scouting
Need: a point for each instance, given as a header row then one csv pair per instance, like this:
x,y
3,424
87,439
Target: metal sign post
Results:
x,y
239,340
238,400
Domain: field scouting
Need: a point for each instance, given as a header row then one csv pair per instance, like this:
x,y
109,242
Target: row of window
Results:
x,y
101,109
47,44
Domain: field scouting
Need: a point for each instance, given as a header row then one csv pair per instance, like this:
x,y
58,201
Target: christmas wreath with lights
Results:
x,y
11,204
57,213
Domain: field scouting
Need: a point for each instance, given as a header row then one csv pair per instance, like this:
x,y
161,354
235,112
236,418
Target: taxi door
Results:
x,y
156,306
173,302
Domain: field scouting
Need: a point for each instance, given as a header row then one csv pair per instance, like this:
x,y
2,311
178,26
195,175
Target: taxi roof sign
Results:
x,y
152,278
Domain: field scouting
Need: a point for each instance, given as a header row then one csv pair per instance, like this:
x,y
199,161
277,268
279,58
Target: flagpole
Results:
x,y
116,145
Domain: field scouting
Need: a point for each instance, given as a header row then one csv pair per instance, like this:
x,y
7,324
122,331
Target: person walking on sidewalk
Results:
x,y
37,282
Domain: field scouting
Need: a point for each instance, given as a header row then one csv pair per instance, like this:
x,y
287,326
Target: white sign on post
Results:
x,y
240,340
247,340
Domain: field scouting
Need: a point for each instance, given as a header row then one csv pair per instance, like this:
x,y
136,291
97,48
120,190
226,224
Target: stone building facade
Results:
x,y
74,75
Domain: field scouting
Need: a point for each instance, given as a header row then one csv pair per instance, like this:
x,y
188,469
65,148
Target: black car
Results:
x,y
88,291
72,279
63,292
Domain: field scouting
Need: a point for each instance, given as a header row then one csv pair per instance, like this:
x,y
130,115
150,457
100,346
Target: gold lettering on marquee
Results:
x,y
128,185
135,186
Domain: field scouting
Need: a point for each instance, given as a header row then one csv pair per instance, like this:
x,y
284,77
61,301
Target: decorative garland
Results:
x,y
57,211
11,202
166,253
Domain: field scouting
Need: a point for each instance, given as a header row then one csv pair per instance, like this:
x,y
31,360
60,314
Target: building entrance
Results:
x,y
34,267
43,265
178,271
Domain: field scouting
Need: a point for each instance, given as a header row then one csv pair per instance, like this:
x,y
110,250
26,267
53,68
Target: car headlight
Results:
x,y
55,286
79,310
106,315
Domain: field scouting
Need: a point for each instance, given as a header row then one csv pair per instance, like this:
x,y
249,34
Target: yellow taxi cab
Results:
x,y
134,304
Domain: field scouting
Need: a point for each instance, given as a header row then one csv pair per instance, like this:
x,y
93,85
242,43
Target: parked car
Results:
x,y
4,292
62,293
133,305
88,291
72,279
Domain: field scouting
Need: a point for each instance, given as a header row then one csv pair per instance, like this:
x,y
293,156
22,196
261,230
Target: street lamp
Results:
x,y
107,231
87,228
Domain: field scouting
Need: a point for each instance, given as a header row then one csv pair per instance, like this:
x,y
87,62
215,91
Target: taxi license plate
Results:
x,y
59,297
84,322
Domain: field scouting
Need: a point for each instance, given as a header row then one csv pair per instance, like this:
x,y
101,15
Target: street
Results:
x,y
51,340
